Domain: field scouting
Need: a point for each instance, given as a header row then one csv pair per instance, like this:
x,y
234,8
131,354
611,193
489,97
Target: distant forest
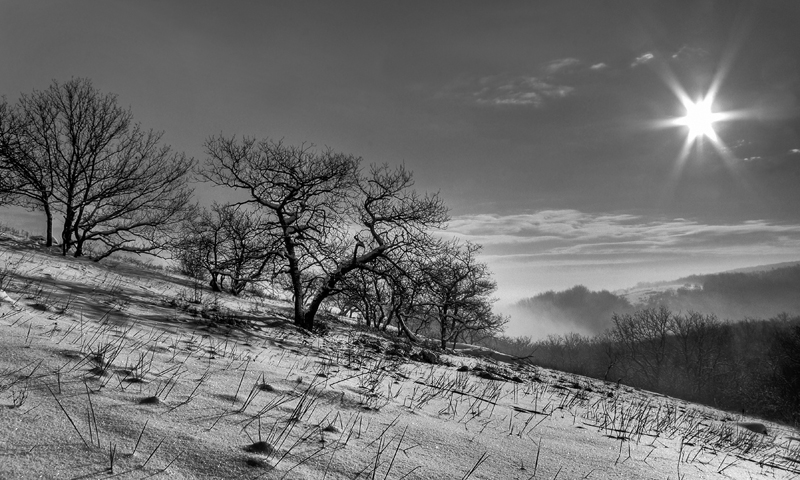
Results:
x,y
749,366
730,340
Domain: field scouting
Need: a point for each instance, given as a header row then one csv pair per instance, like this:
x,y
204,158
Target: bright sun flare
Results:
x,y
700,119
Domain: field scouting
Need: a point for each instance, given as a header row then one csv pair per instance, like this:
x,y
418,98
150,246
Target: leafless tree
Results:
x,y
26,174
200,251
644,338
75,150
330,219
227,242
391,291
458,293
702,342
367,293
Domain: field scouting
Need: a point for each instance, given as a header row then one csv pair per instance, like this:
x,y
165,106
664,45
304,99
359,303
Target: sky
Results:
x,y
548,127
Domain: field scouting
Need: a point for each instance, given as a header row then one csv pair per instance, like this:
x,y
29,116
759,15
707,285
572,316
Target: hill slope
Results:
x,y
111,370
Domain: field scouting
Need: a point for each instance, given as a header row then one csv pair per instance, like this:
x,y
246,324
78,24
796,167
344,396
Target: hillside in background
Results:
x,y
736,295
754,292
585,310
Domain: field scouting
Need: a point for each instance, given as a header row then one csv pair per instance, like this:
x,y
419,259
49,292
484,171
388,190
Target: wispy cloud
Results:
x,y
642,59
561,64
575,234
687,52
567,66
549,82
510,90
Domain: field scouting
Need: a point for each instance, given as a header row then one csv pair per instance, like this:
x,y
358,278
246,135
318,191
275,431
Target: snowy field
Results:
x,y
114,371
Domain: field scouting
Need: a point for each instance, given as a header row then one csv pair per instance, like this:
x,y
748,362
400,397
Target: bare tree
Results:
x,y
786,377
702,342
76,150
228,241
458,292
644,338
329,219
133,203
408,300
26,174
391,291
200,252
251,252
367,293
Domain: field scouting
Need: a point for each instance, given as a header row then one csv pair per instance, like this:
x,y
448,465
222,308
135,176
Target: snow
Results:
x,y
86,347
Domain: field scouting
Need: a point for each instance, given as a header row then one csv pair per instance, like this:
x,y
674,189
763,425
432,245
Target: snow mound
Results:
x,y
5,298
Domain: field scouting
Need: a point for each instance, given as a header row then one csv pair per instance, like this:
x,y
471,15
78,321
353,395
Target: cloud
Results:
x,y
571,66
642,59
687,52
533,90
561,64
795,150
506,90
556,223
574,236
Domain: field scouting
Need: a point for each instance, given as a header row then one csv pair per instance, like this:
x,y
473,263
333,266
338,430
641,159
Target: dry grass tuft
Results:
x,y
260,447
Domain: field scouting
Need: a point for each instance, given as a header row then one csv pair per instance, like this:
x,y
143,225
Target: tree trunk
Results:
x,y
308,317
297,291
443,328
49,219
214,283
387,321
237,287
80,240
411,337
324,292
66,233
297,285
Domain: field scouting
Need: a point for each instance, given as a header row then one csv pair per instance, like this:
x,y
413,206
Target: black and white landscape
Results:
x,y
361,239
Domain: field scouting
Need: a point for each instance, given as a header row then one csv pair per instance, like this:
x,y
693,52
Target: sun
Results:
x,y
699,118
699,121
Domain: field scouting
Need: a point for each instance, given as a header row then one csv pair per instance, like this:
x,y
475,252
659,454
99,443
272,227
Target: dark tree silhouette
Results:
x,y
390,291
328,218
26,174
75,150
227,242
644,338
458,293
786,378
